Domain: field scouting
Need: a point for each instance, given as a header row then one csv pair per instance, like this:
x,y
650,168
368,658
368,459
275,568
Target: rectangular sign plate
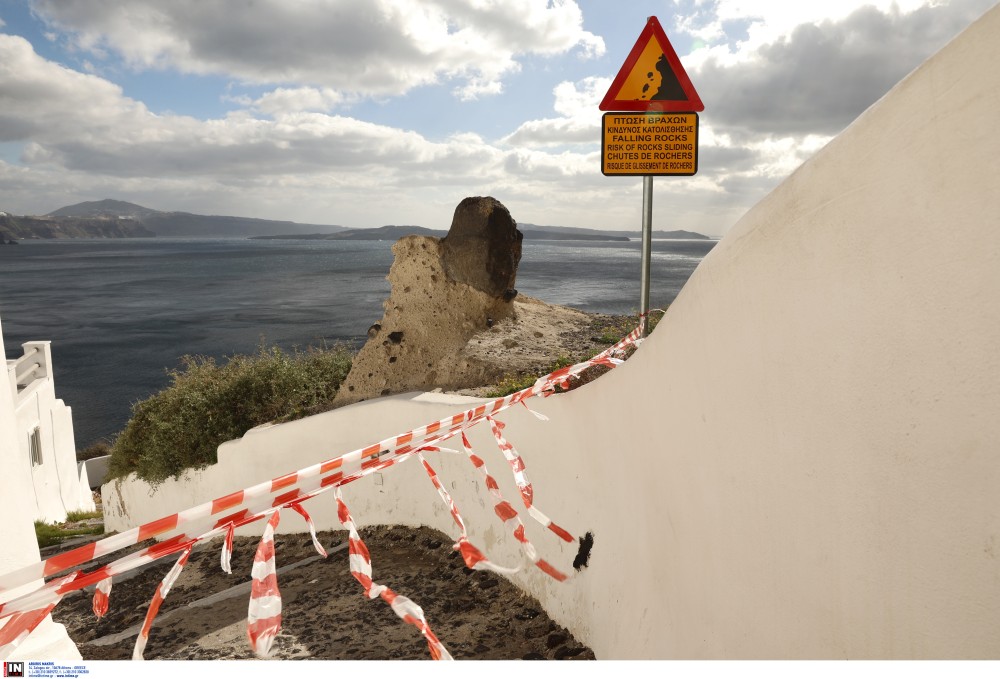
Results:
x,y
649,144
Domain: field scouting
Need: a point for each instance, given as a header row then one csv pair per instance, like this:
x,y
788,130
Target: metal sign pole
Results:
x,y
647,138
647,247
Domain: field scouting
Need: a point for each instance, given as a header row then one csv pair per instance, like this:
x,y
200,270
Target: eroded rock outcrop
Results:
x,y
483,247
444,291
453,319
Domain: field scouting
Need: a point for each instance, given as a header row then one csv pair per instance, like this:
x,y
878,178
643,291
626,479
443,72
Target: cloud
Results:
x,y
746,25
579,121
289,100
819,76
773,97
371,48
39,97
82,138
83,122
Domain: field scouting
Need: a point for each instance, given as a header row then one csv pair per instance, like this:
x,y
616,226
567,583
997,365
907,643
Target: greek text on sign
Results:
x,y
649,144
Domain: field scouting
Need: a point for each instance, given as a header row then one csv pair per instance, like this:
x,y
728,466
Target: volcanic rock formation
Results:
x,y
451,320
483,247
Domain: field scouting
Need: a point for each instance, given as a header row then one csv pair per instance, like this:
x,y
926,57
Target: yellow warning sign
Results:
x,y
649,144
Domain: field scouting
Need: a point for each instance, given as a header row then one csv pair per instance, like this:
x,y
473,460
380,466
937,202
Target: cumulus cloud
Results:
x,y
83,122
375,47
817,76
760,22
775,91
83,138
286,100
39,97
579,121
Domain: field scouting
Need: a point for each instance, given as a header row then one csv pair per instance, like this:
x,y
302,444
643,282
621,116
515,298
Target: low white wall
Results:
x,y
271,451
802,461
96,468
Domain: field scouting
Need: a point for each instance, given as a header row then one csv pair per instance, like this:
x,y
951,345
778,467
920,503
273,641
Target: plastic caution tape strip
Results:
x,y
101,597
509,516
521,479
18,626
361,569
471,554
264,612
312,529
154,606
179,532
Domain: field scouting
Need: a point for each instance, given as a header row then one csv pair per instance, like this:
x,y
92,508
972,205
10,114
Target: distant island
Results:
x,y
120,219
14,228
530,231
394,233
578,233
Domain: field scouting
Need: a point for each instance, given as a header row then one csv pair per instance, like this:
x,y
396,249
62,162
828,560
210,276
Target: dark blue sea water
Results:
x,y
121,312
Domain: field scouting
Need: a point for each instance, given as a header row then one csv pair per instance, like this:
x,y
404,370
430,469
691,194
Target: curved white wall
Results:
x,y
803,460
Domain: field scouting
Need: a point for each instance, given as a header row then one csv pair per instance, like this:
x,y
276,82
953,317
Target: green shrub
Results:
x,y
513,382
49,534
75,515
207,404
98,449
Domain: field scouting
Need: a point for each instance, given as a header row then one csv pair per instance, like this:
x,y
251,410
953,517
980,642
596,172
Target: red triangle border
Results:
x,y
612,103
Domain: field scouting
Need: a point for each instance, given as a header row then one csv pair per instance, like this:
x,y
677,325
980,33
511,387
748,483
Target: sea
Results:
x,y
121,312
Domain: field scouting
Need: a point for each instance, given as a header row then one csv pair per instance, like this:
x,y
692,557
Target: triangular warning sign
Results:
x,y
652,78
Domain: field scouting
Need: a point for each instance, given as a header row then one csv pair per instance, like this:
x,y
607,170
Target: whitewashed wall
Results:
x,y
60,482
49,641
803,460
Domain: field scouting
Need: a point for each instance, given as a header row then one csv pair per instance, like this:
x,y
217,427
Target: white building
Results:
x,y
43,434
31,467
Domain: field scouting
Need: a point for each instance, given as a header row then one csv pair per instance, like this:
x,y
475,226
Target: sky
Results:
x,y
374,112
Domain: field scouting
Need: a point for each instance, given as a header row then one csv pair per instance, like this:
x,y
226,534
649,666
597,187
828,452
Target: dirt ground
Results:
x,y
325,614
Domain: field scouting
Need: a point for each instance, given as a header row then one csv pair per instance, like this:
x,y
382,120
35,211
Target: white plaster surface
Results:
x,y
56,482
96,468
49,641
803,459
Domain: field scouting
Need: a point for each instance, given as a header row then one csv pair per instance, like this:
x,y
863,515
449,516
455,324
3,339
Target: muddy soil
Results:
x,y
476,615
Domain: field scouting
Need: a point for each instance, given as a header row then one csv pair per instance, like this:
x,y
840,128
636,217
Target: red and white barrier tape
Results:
x,y
527,493
102,593
179,532
18,626
162,590
509,516
264,612
312,528
361,569
226,556
471,554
